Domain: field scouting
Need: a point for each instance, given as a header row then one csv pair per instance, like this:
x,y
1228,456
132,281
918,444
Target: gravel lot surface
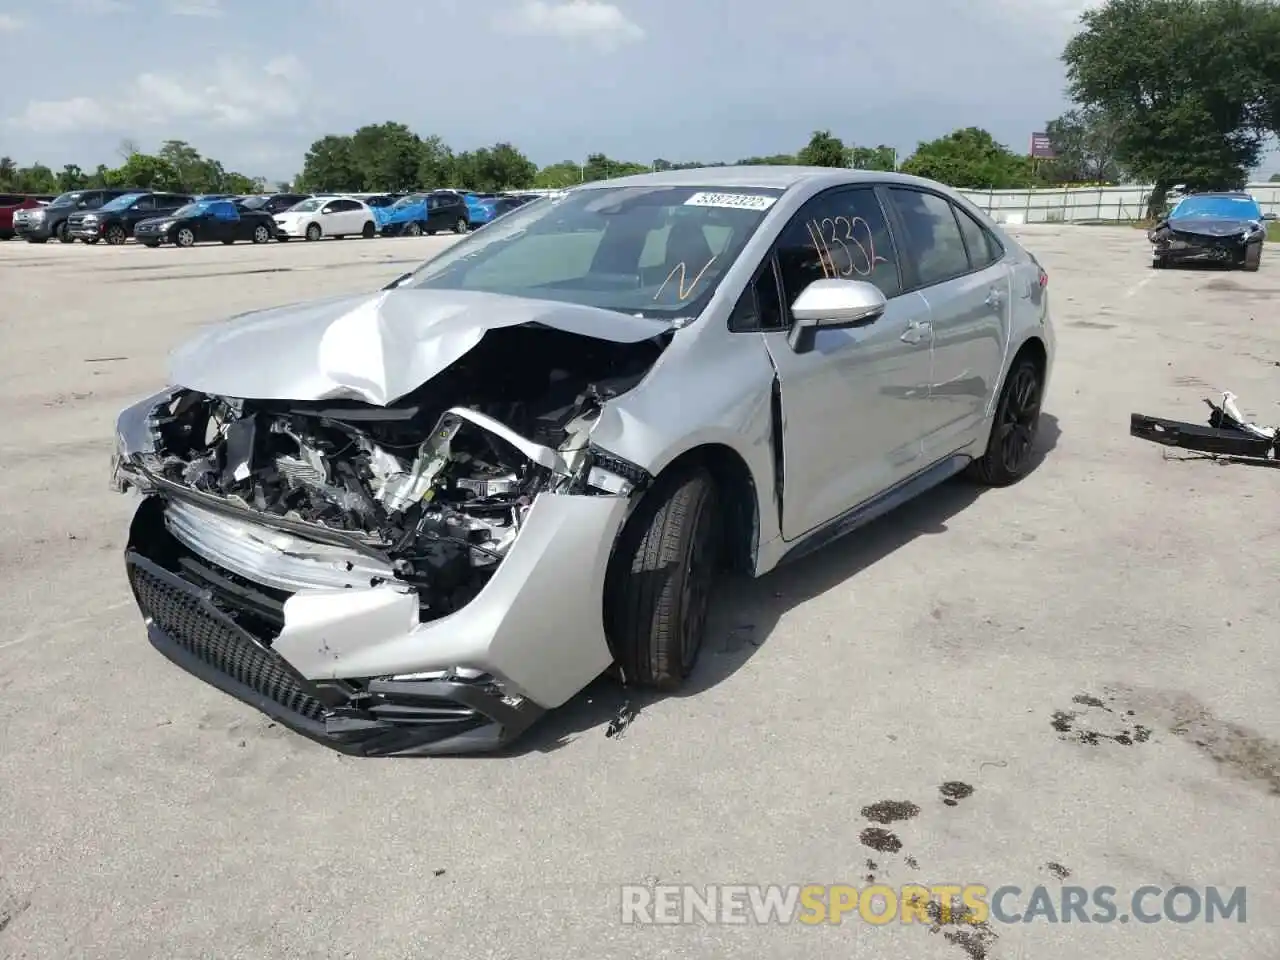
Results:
x,y
146,815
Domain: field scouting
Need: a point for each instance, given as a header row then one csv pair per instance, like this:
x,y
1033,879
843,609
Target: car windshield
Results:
x,y
191,210
408,201
67,199
253,203
1231,208
650,251
307,206
121,203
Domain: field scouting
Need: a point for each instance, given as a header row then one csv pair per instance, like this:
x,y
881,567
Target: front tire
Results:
x,y
185,237
61,233
313,231
658,587
1008,457
261,234
1159,263
116,235
461,226
413,230
1252,257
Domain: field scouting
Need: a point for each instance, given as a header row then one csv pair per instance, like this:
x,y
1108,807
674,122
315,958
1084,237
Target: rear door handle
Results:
x,y
917,331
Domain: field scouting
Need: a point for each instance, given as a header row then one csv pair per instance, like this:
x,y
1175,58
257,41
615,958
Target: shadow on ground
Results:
x,y
746,610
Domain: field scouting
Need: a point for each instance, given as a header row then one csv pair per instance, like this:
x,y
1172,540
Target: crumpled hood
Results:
x,y
371,347
1213,226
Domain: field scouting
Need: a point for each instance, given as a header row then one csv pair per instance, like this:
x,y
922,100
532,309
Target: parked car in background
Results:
x,y
498,206
1227,228
116,219
43,223
206,221
272,203
421,213
11,204
451,504
333,216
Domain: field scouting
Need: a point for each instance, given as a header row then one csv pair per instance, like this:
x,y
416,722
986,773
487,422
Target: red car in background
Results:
x,y
11,203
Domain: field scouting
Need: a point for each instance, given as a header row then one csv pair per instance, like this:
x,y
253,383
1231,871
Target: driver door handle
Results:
x,y
917,331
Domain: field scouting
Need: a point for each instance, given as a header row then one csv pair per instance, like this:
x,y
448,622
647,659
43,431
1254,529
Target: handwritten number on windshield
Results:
x,y
683,291
850,234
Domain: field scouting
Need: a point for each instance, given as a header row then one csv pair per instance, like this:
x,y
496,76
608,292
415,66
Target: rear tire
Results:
x,y
370,231
1008,457
413,230
1252,257
261,235
658,586
461,226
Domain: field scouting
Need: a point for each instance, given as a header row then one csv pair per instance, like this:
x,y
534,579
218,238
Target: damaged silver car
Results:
x,y
412,521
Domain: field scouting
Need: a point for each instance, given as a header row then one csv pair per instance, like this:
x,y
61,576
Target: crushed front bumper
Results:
x,y
219,627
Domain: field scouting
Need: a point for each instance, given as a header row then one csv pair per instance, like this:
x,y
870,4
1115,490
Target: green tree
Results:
x,y
8,173
1194,85
387,156
1274,178
823,150
146,172
566,173
601,167
36,178
330,165
71,178
238,183
871,158
435,163
970,158
1085,142
503,167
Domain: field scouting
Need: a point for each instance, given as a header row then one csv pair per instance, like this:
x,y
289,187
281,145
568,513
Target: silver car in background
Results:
x,y
411,521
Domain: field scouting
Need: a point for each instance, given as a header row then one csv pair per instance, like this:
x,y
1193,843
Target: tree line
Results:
x,y
1163,91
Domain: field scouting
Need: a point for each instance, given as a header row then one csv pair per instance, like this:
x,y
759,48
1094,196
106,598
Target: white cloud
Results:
x,y
235,96
195,8
601,24
11,24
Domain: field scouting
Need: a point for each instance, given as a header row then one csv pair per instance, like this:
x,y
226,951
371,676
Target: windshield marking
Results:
x,y
681,292
731,201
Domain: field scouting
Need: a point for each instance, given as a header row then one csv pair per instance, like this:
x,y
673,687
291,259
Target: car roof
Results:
x,y
761,177
1236,194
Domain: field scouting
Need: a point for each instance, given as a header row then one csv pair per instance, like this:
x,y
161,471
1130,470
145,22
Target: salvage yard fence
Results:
x,y
1087,204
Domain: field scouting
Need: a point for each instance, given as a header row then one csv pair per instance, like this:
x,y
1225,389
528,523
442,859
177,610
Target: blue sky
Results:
x,y
254,82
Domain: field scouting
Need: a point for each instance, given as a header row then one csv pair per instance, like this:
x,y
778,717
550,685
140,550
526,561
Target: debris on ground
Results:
x,y
1229,437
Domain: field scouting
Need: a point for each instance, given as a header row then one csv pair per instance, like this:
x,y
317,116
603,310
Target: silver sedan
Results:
x,y
412,521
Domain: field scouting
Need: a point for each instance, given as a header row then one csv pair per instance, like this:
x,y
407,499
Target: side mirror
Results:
x,y
397,281
833,304
1268,216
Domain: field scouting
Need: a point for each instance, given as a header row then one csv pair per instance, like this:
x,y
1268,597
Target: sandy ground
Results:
x,y
145,815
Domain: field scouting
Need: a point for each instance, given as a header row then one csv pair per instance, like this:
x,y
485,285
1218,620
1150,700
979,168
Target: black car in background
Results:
x,y
1227,228
206,221
115,220
44,223
272,203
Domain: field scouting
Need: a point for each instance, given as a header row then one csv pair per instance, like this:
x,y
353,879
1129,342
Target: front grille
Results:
x,y
200,629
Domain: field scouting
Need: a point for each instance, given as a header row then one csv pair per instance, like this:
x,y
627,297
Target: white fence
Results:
x,y
1087,204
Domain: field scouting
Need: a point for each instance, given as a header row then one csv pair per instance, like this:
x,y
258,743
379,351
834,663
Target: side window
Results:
x,y
759,308
345,206
839,234
933,240
145,203
983,250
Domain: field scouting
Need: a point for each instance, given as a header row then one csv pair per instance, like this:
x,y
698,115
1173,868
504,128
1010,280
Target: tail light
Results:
x,y
1044,279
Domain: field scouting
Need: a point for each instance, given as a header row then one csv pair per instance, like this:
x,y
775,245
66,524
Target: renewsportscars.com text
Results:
x,y
881,904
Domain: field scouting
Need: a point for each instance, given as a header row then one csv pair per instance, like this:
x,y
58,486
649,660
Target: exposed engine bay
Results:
x,y
437,484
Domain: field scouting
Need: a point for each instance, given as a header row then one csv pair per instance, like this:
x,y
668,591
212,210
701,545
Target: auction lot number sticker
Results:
x,y
731,201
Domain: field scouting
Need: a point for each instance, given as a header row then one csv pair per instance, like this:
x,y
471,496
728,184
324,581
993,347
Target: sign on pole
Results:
x,y
1041,147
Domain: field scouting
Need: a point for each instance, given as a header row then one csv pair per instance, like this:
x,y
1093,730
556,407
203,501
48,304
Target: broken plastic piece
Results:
x,y
1228,433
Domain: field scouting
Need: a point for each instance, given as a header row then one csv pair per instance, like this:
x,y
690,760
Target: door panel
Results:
x,y
966,307
853,406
